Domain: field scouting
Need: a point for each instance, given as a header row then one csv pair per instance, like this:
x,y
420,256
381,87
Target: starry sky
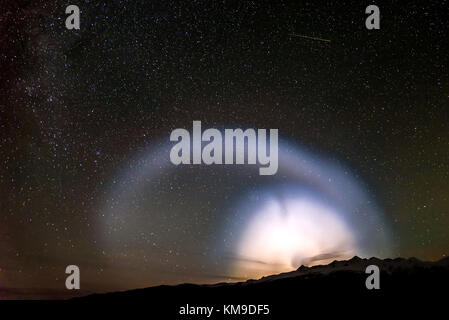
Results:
x,y
86,115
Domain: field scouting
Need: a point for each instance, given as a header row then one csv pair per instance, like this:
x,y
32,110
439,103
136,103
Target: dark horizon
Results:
x,y
61,294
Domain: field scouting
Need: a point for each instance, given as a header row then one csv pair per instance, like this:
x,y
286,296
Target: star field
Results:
x,y
79,107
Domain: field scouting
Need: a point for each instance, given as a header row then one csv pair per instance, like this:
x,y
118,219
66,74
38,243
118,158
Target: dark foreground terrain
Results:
x,y
406,286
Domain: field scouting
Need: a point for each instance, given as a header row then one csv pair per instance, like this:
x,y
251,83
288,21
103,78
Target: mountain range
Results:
x,y
340,285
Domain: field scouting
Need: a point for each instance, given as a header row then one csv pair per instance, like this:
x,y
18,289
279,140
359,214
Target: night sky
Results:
x,y
86,115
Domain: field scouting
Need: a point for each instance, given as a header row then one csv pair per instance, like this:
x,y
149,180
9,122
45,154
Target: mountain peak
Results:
x,y
355,259
302,268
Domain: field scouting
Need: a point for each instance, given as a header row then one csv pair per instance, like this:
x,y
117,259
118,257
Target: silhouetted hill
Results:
x,y
339,285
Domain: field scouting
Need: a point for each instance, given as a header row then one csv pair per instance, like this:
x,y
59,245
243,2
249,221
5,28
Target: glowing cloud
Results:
x,y
288,233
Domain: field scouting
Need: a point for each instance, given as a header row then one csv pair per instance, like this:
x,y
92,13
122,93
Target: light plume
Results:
x,y
288,234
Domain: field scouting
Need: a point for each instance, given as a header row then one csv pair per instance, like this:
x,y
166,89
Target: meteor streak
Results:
x,y
307,37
